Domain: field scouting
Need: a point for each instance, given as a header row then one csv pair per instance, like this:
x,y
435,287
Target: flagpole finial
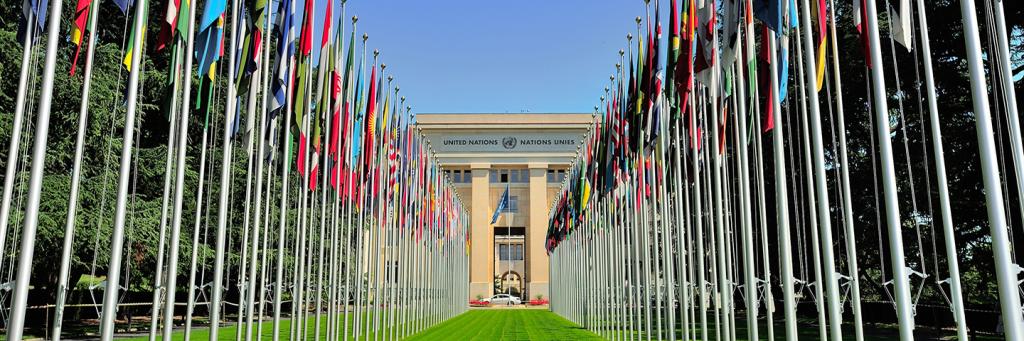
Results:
x,y
375,53
602,101
621,52
384,66
403,100
408,108
606,88
365,37
391,78
354,17
629,37
638,20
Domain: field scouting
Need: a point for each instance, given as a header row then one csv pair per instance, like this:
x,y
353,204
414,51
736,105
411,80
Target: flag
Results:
x,y
210,38
730,31
900,24
502,205
306,35
769,12
33,15
123,5
210,42
78,31
130,52
764,77
860,15
168,27
822,43
284,53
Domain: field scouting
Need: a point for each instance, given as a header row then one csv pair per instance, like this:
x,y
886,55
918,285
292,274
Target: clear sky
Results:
x,y
464,56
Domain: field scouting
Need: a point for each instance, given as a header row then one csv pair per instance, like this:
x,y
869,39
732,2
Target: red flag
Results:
x,y
766,82
328,18
306,35
78,32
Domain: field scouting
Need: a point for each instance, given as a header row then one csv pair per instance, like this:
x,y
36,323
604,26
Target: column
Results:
x,y
481,258
537,257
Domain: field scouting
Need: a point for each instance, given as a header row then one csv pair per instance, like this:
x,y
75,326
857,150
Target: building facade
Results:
x,y
486,155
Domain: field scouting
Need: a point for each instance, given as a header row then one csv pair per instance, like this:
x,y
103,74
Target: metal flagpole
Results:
x,y
1006,76
21,286
699,220
283,209
172,143
900,277
117,236
250,291
808,170
19,118
782,200
851,241
820,181
940,170
190,305
179,181
1006,275
225,177
746,224
76,172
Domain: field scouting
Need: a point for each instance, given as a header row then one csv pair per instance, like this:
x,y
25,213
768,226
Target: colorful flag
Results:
x,y
169,25
78,31
33,15
822,42
130,52
285,44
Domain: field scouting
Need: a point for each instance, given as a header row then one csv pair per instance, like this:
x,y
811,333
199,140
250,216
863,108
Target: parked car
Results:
x,y
503,299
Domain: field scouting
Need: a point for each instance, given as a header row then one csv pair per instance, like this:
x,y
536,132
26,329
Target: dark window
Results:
x,y
510,252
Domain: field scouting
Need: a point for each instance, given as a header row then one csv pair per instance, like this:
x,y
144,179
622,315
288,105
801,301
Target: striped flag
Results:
x,y
78,31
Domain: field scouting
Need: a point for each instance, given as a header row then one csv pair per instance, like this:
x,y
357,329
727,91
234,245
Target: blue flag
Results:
x,y
502,204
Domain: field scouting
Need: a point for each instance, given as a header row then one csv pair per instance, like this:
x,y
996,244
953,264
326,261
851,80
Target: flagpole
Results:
x,y
282,210
19,117
820,181
1006,82
1006,275
900,277
19,301
76,172
117,237
782,199
179,186
851,241
225,180
940,169
172,143
251,289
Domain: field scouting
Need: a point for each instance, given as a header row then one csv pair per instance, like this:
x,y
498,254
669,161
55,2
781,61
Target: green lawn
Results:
x,y
506,324
201,331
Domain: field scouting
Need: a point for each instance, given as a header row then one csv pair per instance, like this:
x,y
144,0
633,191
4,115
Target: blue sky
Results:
x,y
464,56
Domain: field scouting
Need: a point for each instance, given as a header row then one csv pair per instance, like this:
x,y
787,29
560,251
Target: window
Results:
x,y
494,176
513,204
510,251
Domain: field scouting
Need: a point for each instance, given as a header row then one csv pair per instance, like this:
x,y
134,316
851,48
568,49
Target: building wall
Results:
x,y
510,141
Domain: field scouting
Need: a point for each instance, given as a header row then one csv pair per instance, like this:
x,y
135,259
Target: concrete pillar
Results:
x,y
537,257
481,258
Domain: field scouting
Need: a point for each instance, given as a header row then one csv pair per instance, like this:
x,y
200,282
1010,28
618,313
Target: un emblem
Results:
x,y
509,142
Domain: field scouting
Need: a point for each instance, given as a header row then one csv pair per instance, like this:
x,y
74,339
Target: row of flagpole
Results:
x,y
378,249
656,230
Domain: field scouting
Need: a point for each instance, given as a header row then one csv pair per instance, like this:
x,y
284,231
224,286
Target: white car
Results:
x,y
503,299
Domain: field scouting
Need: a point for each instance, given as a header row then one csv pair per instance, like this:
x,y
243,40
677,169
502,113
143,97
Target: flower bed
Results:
x,y
538,302
478,303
